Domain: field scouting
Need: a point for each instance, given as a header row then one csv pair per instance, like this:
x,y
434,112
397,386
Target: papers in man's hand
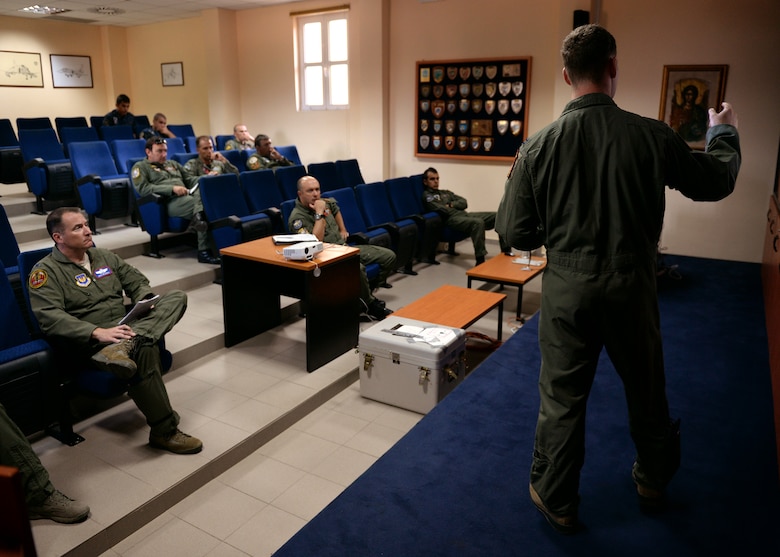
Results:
x,y
294,238
139,310
193,188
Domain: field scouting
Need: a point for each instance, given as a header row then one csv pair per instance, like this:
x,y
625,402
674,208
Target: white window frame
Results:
x,y
324,18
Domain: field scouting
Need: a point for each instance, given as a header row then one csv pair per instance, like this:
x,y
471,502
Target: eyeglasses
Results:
x,y
159,141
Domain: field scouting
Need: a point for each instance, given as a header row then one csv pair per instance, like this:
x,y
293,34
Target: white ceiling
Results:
x,y
130,12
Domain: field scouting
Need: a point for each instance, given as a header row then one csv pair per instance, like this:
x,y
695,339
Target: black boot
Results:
x,y
206,257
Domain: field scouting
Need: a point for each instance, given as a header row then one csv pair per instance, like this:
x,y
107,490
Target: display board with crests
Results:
x,y
472,109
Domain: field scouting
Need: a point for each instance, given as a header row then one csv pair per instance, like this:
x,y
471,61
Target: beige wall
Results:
x,y
238,66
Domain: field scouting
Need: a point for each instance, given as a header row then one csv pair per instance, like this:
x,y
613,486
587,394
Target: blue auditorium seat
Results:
x,y
262,195
327,175
374,204
140,123
230,220
349,170
112,133
406,202
70,135
221,141
290,152
182,130
25,364
236,159
9,247
175,145
287,177
61,122
40,123
48,172
11,162
103,191
126,149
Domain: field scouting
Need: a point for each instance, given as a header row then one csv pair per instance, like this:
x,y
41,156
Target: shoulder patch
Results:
x,y
37,279
253,163
135,173
297,226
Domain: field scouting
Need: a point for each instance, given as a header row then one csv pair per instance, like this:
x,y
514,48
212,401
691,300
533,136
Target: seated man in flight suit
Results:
x,y
156,174
77,296
454,206
43,500
314,215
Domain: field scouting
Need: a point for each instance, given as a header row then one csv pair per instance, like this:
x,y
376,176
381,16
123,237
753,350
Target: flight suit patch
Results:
x,y
82,280
103,272
37,279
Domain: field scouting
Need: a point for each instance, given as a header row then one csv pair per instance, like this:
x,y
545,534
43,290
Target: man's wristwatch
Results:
x,y
318,216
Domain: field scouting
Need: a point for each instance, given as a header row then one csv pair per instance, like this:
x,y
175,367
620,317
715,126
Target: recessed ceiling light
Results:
x,y
105,10
43,10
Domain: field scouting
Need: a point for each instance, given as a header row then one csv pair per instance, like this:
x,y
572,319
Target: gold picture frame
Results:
x,y
687,93
20,69
172,74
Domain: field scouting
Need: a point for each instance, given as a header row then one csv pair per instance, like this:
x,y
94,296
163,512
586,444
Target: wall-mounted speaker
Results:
x,y
581,17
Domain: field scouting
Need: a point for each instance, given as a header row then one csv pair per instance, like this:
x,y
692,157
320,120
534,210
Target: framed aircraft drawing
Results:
x,y
71,71
20,69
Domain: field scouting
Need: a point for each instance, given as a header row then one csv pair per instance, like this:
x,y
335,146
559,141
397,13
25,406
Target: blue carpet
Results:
x,y
457,483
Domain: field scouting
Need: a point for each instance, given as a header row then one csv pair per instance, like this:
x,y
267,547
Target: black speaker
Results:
x,y
581,17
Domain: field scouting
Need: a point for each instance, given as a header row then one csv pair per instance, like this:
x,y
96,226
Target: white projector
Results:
x,y
302,251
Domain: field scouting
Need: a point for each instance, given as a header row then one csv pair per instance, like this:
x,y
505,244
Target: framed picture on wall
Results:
x,y
71,71
471,109
686,94
172,74
20,69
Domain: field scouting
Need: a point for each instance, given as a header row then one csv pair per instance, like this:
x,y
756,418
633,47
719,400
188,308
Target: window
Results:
x,y
323,61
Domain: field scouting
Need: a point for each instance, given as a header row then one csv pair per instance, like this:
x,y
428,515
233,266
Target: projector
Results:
x,y
302,251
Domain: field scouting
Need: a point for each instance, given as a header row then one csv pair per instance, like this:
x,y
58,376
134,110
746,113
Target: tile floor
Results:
x,y
205,504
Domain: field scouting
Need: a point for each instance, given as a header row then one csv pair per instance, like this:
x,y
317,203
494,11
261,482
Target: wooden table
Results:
x,y
502,270
254,277
454,306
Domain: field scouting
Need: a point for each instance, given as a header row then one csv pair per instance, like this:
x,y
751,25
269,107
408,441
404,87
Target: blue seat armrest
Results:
x,y
89,178
151,198
232,222
37,162
391,227
358,239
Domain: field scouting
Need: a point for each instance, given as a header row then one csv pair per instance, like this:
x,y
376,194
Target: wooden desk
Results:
x,y
501,270
454,306
254,277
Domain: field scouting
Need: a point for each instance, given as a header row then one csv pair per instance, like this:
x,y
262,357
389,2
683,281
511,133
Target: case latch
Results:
x,y
368,360
425,375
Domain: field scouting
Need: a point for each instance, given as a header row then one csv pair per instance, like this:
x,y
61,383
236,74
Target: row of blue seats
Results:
x,y
389,213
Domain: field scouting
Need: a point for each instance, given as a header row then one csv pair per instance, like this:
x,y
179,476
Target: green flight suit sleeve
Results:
x,y
705,176
517,219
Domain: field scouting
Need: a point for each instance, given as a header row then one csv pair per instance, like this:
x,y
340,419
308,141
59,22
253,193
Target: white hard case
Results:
x,y
405,373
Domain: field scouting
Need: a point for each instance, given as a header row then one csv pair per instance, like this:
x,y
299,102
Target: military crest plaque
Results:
x,y
472,109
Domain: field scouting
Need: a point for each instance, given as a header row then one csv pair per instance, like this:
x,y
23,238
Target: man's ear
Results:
x,y
566,77
612,67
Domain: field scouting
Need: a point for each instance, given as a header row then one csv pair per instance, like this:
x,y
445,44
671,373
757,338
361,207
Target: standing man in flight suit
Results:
x,y
156,174
591,188
77,296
